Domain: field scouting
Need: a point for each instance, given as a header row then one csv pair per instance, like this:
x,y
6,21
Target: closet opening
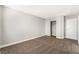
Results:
x,y
53,28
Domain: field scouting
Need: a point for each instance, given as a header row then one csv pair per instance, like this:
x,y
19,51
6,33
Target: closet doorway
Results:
x,y
53,28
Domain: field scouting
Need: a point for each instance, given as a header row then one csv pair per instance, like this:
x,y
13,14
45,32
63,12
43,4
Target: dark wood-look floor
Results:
x,y
43,45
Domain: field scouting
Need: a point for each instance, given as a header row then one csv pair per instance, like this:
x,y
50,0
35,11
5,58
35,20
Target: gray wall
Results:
x,y
1,11
60,27
20,26
71,27
78,29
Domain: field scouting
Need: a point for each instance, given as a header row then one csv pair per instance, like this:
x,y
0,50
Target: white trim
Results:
x,y
6,45
60,37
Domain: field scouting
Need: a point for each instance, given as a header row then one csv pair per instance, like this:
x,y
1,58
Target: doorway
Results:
x,y
53,28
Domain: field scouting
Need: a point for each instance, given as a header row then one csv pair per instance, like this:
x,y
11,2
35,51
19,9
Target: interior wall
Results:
x,y
20,26
1,11
78,29
62,31
71,27
54,28
60,27
47,26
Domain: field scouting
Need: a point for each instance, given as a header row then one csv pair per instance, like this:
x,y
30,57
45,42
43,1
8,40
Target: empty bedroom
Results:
x,y
39,29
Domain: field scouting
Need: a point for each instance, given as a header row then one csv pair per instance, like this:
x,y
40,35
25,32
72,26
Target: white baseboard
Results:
x,y
6,45
60,37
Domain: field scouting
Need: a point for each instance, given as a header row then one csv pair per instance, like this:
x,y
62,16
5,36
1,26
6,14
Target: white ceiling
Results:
x,y
46,11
